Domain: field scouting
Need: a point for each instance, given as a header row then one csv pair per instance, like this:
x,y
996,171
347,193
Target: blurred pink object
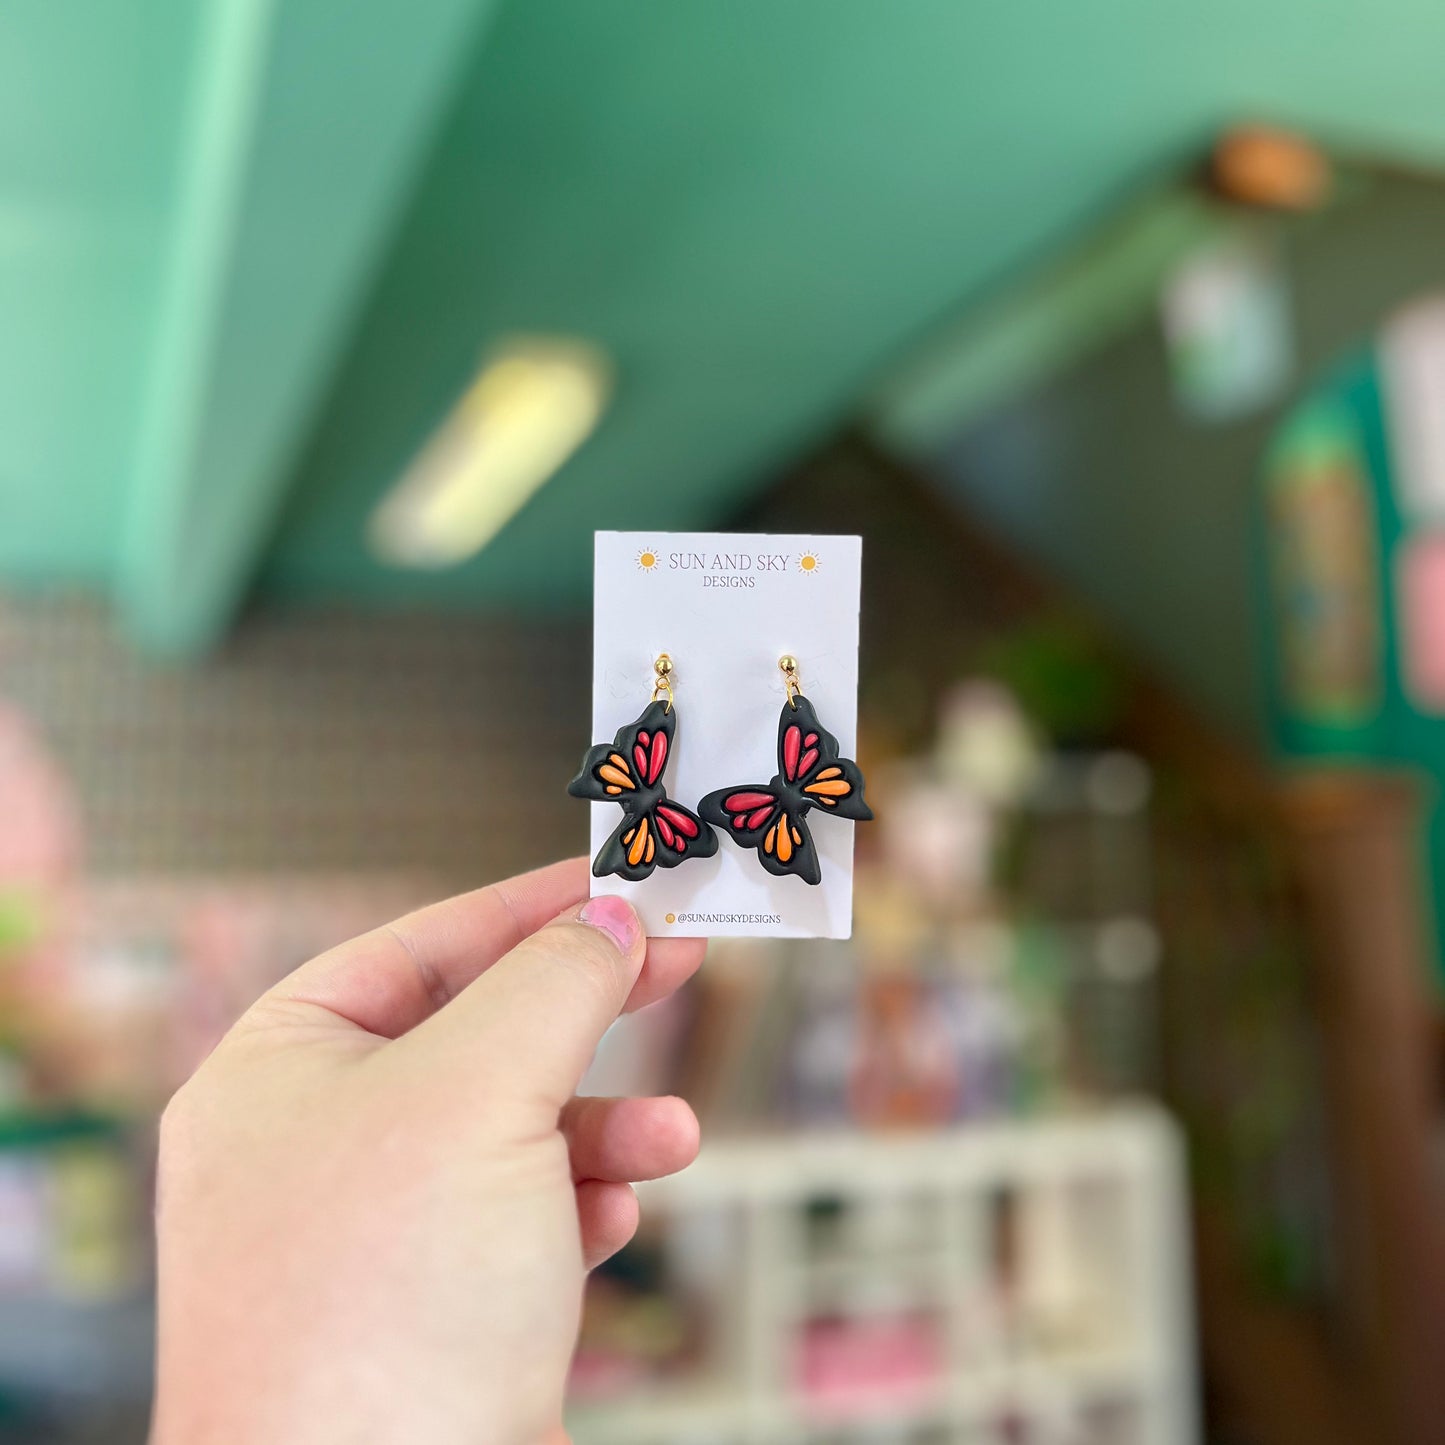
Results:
x,y
846,1364
40,830
41,850
1421,583
603,1374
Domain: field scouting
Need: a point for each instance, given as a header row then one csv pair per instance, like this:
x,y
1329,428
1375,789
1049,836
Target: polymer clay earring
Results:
x,y
655,832
811,774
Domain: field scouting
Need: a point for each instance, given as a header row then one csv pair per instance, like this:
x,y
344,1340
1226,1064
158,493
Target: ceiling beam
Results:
x,y
1032,330
307,123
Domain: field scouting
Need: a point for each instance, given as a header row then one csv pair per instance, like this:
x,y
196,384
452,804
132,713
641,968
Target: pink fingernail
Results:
x,y
615,918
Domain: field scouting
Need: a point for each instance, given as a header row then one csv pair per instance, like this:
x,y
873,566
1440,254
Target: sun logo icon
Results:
x,y
647,559
808,563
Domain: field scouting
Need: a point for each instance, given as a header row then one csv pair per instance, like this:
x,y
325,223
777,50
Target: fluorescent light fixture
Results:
x,y
532,404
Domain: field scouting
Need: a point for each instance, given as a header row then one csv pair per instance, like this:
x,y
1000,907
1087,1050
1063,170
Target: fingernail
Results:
x,y
615,918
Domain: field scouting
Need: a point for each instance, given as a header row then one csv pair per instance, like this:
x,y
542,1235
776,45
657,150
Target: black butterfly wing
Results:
x,y
654,832
632,763
680,833
661,836
808,760
630,851
768,819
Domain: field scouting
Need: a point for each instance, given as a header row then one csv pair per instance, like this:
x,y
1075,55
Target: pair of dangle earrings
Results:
x,y
656,832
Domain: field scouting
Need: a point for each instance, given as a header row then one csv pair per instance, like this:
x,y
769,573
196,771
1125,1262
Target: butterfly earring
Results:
x,y
810,774
655,832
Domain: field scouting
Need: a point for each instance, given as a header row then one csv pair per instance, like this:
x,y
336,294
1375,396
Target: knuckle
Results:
x,y
175,1147
171,1121
176,1130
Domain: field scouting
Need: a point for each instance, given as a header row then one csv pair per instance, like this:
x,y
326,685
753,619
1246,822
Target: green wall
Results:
x,y
251,249
759,208
1148,514
90,104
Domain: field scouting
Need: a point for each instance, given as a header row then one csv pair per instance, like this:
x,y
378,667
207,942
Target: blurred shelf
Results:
x,y
798,1166
1126,1303
910,1279
717,1414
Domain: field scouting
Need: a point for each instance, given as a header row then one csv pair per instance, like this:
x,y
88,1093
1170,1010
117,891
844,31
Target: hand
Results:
x,y
378,1197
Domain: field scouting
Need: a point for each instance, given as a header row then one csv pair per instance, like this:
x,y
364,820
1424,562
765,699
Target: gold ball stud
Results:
x,y
663,666
788,662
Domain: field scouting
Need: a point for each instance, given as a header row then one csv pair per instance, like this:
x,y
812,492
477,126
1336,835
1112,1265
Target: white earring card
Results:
x,y
725,607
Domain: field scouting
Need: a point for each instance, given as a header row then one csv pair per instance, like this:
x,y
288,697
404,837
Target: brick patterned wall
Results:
x,y
313,740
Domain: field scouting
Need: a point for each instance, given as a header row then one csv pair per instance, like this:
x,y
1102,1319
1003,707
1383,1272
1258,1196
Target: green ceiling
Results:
x,y
249,249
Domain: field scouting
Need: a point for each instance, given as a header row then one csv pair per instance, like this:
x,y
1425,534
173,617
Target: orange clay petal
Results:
x,y
650,851
613,790
609,774
797,837
785,843
839,789
829,773
770,839
639,844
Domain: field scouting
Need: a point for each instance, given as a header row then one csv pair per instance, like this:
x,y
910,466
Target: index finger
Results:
x,y
391,979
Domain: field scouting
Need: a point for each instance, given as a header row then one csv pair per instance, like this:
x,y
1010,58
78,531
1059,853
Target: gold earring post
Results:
x,y
662,679
794,688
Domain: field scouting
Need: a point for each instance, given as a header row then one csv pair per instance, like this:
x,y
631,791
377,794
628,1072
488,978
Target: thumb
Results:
x,y
532,1022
